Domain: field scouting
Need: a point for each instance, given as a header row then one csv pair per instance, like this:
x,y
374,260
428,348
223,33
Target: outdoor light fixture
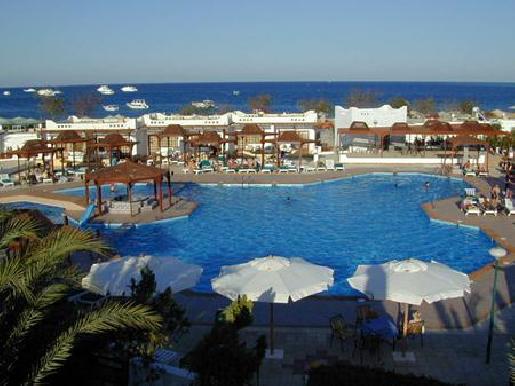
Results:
x,y
498,253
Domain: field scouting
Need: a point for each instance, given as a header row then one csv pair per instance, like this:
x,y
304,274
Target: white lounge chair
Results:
x,y
329,164
490,211
472,210
5,180
508,205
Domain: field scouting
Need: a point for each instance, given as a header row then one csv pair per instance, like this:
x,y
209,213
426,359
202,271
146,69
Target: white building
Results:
x,y
302,123
507,124
384,116
101,127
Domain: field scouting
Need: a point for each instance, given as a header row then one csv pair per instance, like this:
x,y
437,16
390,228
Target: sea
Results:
x,y
171,97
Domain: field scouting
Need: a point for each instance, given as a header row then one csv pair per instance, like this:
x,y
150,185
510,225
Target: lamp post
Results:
x,y
497,253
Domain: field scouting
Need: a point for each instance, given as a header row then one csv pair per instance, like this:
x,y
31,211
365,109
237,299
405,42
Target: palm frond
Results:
x,y
19,227
33,314
64,241
13,277
110,317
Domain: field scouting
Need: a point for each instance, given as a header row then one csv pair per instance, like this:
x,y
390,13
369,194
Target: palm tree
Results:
x,y
34,284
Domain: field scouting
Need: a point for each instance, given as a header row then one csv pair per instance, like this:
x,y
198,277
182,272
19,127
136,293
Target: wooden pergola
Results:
x,y
467,140
128,173
32,149
207,139
112,142
291,137
65,138
172,131
252,130
428,129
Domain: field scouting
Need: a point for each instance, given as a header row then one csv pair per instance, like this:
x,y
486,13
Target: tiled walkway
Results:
x,y
450,356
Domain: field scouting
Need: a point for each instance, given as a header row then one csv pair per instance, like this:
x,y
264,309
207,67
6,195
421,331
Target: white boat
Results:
x,y
47,92
138,104
129,89
205,104
111,108
512,107
6,93
236,92
30,90
105,90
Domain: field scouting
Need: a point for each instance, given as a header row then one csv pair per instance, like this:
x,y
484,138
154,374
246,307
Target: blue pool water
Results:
x,y
359,220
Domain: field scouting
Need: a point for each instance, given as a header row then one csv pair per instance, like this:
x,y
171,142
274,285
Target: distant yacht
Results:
x,y
129,89
47,92
30,90
111,108
512,107
6,93
205,104
138,104
236,92
105,90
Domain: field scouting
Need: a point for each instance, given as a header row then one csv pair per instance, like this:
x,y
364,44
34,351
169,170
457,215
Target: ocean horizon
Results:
x,y
172,96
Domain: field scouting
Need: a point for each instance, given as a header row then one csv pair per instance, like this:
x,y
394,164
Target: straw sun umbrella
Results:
x,y
273,279
114,277
410,282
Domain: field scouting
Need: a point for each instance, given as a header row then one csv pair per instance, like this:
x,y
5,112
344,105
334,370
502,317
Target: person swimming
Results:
x,y
427,184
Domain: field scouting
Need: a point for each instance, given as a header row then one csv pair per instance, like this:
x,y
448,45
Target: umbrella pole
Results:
x,y
405,323
271,329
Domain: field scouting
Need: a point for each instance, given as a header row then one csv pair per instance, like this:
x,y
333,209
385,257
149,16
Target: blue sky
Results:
x,y
118,41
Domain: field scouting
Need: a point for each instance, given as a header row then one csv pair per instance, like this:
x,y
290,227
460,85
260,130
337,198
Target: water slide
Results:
x,y
88,213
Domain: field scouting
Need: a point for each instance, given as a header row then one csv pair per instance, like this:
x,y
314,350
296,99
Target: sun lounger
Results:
x,y
5,180
339,166
472,210
489,211
198,171
483,173
308,169
230,171
329,164
284,169
509,207
469,173
48,181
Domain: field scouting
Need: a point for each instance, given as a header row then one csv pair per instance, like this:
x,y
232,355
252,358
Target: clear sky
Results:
x,y
118,41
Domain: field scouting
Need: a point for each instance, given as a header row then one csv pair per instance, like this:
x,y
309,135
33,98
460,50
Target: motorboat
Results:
x,y
138,104
111,108
236,92
105,90
129,89
46,92
30,90
6,93
205,104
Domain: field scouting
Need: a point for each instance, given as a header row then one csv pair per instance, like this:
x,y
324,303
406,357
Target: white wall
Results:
x,y
507,124
383,116
14,140
105,124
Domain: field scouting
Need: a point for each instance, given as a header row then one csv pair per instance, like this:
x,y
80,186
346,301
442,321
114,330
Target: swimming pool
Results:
x,y
365,219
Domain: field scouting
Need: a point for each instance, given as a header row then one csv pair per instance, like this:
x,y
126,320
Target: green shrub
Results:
x,y
239,312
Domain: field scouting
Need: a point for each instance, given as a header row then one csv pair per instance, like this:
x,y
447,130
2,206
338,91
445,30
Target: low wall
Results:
x,y
413,161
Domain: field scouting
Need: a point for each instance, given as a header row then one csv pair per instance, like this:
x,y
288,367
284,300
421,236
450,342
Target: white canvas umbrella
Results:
x,y
273,279
410,281
114,277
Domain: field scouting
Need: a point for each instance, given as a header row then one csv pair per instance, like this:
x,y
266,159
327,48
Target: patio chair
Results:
x,y
329,165
508,206
416,327
340,330
5,180
339,166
